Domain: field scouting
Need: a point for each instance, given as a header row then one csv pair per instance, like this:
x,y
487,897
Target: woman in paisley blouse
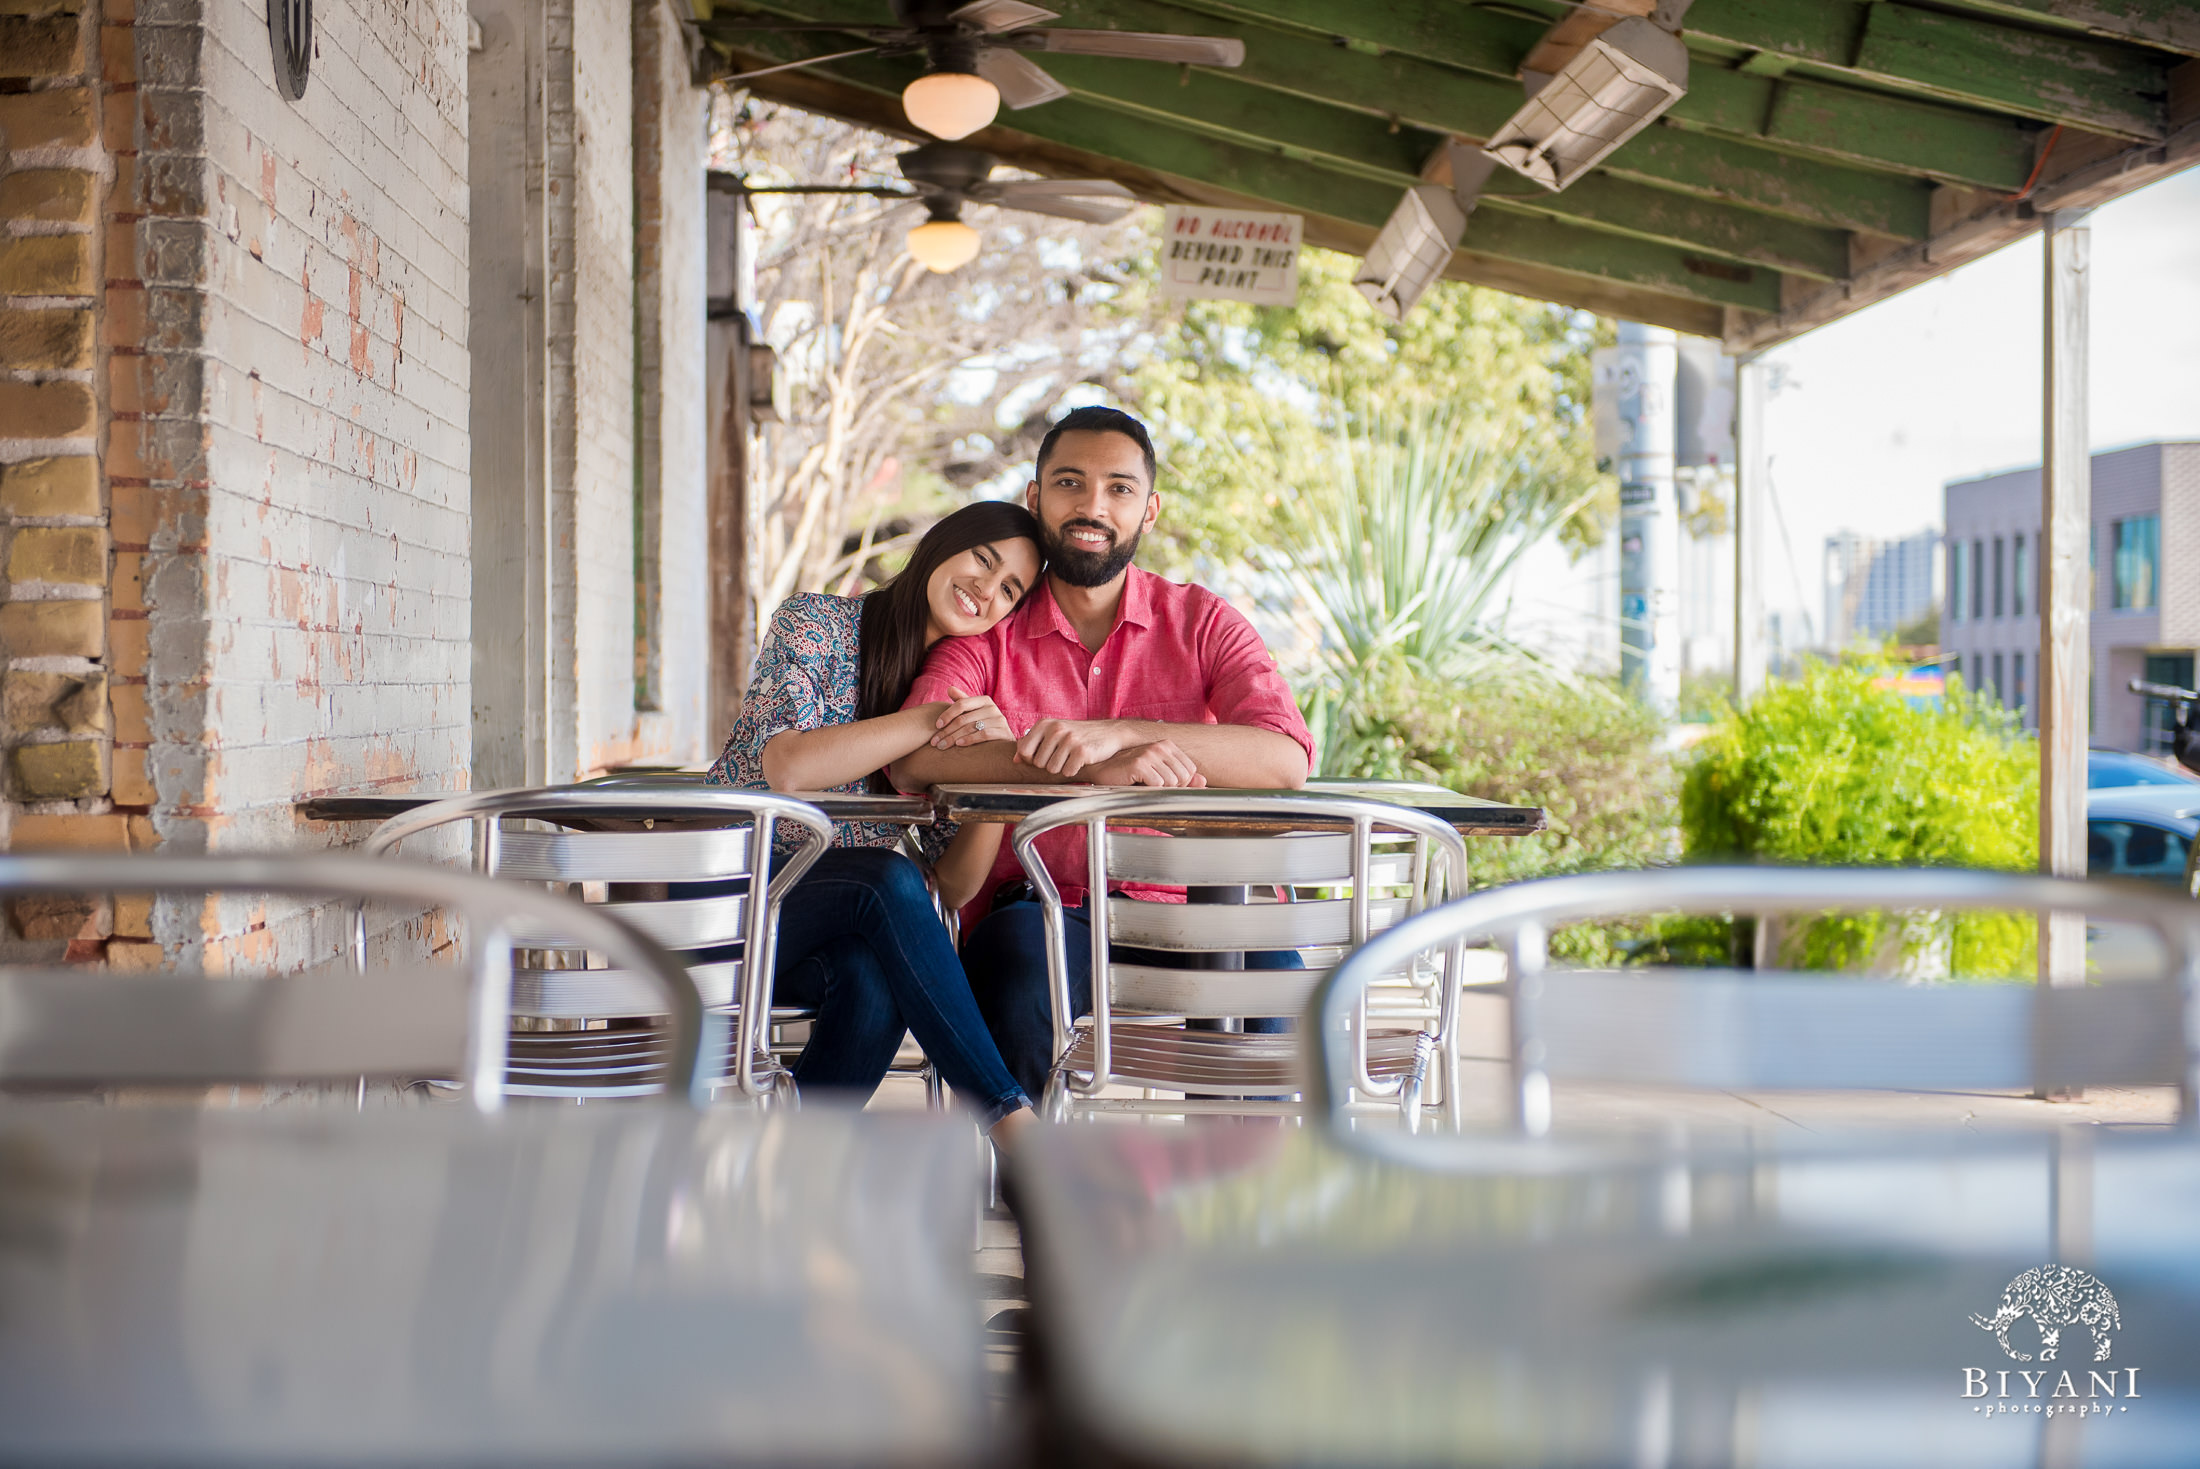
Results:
x,y
859,940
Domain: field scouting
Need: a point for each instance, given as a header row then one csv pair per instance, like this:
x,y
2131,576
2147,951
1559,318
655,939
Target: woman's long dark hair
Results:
x,y
896,615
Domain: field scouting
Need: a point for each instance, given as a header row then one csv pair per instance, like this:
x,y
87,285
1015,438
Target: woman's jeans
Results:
x,y
860,942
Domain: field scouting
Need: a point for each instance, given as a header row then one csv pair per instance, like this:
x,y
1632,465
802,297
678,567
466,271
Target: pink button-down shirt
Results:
x,y
1177,654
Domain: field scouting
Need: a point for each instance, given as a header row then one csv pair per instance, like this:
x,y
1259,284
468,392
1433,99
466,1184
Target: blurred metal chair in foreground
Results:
x,y
1776,1030
1343,1293
78,1026
591,1032
1375,863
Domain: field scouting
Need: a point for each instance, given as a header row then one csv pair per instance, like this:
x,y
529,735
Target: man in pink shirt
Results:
x,y
1110,675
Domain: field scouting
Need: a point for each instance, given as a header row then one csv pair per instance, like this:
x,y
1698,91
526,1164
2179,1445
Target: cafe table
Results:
x,y
635,1284
837,805
1469,815
1214,1295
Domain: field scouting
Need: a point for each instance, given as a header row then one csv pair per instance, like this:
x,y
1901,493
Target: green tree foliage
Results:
x,y
1830,769
1245,399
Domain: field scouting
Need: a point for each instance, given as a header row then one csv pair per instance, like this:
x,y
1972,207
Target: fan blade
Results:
x,y
1072,188
1085,208
765,71
1135,46
1001,15
1021,83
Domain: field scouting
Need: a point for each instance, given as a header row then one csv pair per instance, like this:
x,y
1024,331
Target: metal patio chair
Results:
x,y
581,1031
79,1026
1348,869
1774,1030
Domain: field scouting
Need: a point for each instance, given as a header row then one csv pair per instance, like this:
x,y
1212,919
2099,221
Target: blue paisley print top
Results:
x,y
807,677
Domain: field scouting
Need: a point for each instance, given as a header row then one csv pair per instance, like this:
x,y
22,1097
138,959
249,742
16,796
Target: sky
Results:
x,y
1877,411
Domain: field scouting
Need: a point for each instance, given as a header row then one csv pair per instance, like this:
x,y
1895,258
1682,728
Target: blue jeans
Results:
x,y
1006,955
860,942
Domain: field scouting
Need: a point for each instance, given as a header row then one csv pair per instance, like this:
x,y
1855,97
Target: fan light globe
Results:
x,y
943,245
951,104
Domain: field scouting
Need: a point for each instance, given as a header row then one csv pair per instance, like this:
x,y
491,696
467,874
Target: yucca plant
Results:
x,y
1398,559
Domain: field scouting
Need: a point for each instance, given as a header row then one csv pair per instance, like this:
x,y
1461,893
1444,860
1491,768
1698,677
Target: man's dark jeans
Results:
x,y
859,941
1005,954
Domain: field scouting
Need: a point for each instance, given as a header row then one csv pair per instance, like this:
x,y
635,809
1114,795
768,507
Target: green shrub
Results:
x,y
1830,770
1589,757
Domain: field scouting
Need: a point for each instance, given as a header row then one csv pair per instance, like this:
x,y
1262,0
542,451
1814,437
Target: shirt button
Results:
x,y
1095,670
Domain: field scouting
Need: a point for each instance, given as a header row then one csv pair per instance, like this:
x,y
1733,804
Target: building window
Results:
x,y
1956,581
2000,565
2138,553
1997,685
2020,576
1978,580
2016,684
2160,721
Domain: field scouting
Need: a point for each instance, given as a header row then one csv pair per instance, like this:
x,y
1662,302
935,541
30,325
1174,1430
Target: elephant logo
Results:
x,y
2054,1296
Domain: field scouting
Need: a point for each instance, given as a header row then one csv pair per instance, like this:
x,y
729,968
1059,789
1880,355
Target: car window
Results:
x,y
2135,849
2110,769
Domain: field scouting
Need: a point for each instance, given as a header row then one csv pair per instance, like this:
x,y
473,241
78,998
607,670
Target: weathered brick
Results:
x,y
47,410
55,701
62,115
142,836
133,915
40,9
53,629
130,653
132,714
54,915
39,47
75,832
41,487
131,785
68,555
119,120
46,265
64,195
134,956
118,55
153,382
58,338
67,771
126,582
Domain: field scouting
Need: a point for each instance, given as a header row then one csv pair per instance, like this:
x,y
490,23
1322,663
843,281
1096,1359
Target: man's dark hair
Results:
x,y
1097,420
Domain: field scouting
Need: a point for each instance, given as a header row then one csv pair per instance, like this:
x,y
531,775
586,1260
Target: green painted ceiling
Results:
x,y
1828,153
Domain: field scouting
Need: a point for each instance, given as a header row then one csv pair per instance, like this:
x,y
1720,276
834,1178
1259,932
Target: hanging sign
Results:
x,y
1230,255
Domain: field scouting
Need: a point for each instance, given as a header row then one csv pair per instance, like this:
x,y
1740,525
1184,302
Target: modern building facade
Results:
x,y
1875,588
2146,586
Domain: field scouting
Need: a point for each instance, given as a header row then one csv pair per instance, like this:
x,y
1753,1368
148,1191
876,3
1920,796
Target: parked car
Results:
x,y
2115,769
2142,831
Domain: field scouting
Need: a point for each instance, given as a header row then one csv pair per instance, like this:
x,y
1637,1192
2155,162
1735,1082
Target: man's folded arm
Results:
x,y
1247,755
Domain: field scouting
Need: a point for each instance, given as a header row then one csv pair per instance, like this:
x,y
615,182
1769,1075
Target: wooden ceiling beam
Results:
x,y
2102,87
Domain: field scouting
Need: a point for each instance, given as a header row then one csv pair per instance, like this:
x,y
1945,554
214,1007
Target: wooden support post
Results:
x,y
1752,502
2065,665
727,342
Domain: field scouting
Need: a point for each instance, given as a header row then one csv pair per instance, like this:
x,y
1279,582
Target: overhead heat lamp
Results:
x,y
1616,85
1416,242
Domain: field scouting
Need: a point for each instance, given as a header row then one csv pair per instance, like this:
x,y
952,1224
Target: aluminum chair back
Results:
x,y
1779,1030
1370,865
80,1026
672,833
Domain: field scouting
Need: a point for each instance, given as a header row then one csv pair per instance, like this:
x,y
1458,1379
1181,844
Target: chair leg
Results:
x,y
935,1090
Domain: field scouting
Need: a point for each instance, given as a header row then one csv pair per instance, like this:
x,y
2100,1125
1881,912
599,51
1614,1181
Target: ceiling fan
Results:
x,y
946,177
974,56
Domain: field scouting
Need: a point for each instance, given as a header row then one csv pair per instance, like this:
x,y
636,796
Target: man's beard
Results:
x,y
1082,568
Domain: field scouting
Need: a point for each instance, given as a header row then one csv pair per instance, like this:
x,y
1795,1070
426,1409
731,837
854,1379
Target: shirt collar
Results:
x,y
1046,614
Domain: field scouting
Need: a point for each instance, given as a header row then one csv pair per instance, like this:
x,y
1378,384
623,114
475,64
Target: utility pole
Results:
x,y
2066,512
1649,518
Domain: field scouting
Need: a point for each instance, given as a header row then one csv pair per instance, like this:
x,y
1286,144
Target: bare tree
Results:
x,y
902,383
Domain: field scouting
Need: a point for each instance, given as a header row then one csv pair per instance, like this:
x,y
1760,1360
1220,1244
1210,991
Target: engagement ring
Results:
x,y
979,726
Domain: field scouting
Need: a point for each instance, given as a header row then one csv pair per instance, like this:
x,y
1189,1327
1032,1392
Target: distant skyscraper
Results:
x,y
1874,588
